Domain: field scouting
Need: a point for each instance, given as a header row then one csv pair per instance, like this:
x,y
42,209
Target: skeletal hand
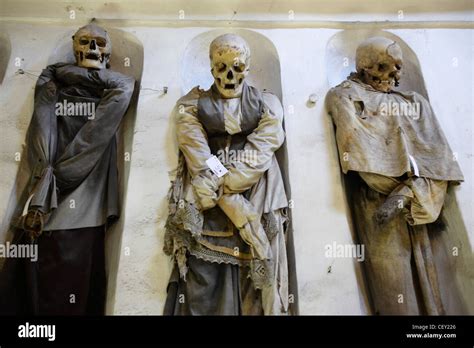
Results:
x,y
33,223
392,207
207,189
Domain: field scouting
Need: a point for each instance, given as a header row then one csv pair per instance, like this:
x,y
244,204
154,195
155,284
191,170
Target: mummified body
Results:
x,y
394,142
227,234
73,190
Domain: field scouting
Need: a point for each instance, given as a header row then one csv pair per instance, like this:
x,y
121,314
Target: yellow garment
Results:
x,y
426,195
385,133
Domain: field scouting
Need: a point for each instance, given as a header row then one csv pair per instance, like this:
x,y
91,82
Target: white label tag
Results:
x,y
27,205
415,166
216,166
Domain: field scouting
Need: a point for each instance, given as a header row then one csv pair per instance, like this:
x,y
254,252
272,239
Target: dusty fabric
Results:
x,y
396,145
398,260
426,270
73,158
385,133
70,262
426,195
226,220
231,288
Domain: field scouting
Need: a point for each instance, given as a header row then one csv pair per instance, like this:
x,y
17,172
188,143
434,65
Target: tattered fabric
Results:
x,y
244,223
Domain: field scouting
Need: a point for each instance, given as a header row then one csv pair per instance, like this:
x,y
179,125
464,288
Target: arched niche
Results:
x,y
454,273
127,58
340,59
264,67
5,53
265,74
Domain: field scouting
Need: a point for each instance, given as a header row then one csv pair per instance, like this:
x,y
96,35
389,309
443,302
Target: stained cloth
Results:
x,y
239,219
389,133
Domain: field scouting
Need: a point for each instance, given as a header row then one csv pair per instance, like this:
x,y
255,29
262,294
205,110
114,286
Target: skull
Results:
x,y
92,47
230,62
379,61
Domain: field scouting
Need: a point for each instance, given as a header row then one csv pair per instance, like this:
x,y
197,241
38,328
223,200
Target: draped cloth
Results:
x,y
426,195
400,270
397,147
396,144
68,278
389,133
72,161
74,157
240,218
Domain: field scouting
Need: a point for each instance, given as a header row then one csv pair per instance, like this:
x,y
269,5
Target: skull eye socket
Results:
x,y
84,41
101,42
221,67
382,67
239,67
398,66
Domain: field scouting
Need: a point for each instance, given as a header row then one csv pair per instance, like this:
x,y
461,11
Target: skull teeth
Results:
x,y
229,86
93,56
379,81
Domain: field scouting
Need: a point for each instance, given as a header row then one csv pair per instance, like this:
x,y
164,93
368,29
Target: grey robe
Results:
x,y
73,158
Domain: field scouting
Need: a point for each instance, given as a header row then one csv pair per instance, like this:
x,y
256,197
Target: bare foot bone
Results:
x,y
390,208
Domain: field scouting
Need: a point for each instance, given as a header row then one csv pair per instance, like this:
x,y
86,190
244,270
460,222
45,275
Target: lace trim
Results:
x,y
217,233
184,230
213,256
261,273
226,251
